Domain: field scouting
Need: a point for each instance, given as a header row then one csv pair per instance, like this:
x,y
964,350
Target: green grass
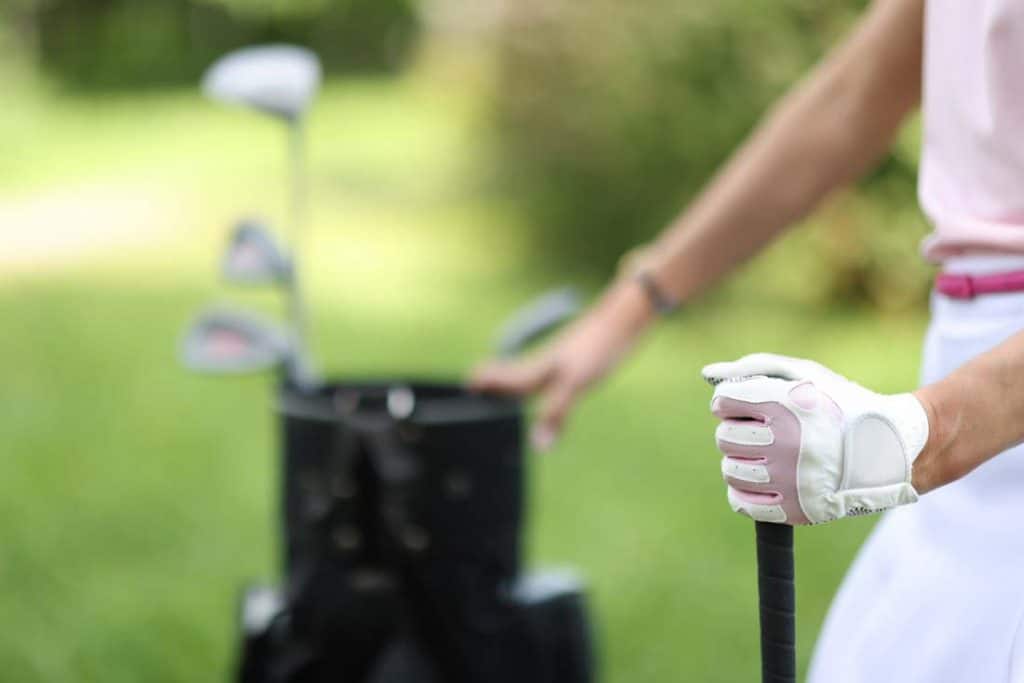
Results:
x,y
137,498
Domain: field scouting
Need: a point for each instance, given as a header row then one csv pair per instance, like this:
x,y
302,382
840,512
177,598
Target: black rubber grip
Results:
x,y
775,573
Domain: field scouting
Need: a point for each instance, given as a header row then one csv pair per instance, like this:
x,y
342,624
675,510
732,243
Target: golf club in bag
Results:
x,y
402,515
280,81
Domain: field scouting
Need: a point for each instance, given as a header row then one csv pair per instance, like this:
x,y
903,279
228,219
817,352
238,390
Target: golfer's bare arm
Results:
x,y
974,414
824,134
828,131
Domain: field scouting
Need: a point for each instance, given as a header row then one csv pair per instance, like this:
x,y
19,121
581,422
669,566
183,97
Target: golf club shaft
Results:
x,y
297,219
775,574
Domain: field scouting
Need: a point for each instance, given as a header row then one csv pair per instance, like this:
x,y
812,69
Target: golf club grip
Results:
x,y
775,572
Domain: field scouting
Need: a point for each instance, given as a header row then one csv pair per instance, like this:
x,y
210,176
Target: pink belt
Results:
x,y
970,286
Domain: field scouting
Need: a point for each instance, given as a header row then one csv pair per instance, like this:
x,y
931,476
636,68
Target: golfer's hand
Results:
x,y
560,373
804,445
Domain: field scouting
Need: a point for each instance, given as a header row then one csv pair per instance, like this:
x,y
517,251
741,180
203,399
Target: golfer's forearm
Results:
x,y
974,414
827,132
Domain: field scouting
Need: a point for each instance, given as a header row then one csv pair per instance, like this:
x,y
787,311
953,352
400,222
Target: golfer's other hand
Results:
x,y
804,445
561,373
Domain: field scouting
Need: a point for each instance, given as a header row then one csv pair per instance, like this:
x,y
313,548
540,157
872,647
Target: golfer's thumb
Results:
x,y
555,407
766,364
510,377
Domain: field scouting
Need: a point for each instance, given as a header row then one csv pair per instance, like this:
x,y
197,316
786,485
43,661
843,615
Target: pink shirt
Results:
x,y
971,182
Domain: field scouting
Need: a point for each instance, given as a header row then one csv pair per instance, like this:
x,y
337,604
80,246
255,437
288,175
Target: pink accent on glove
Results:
x,y
780,458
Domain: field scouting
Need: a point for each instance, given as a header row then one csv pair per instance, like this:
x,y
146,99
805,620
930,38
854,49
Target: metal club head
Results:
x,y
536,319
233,342
280,80
255,257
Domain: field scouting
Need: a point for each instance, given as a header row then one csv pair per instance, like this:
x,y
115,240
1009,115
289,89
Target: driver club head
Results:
x,y
228,342
280,80
255,257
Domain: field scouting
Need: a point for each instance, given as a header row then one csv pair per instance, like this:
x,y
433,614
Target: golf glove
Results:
x,y
804,445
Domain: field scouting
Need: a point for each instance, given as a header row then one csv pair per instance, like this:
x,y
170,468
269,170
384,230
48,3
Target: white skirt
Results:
x,y
936,595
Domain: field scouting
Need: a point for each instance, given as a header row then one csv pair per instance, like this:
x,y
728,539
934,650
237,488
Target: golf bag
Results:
x,y
402,516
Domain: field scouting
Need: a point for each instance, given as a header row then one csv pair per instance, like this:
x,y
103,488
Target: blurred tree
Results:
x,y
132,43
272,7
611,115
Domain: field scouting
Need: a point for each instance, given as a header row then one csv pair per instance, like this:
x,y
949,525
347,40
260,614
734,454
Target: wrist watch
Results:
x,y
660,301
634,265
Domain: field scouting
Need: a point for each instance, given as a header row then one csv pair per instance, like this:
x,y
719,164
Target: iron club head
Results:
x,y
234,342
255,257
536,319
231,342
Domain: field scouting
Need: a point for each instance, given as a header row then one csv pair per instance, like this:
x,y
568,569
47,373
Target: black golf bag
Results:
x,y
403,511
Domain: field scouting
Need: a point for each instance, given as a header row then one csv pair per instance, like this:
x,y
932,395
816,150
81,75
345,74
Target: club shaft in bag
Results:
x,y
298,218
775,587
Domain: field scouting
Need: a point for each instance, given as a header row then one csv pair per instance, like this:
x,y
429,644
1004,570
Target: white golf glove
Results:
x,y
804,445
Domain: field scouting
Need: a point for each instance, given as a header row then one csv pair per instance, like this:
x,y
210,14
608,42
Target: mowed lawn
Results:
x,y
136,498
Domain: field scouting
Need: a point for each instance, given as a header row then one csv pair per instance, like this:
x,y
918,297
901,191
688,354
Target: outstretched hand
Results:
x,y
562,372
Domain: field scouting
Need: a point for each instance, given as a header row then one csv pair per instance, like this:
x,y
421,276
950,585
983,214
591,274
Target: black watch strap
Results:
x,y
660,301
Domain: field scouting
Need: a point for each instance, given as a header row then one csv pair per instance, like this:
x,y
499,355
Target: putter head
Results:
x,y
280,80
225,342
540,316
255,257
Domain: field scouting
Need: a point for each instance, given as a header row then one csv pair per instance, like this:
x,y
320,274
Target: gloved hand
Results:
x,y
804,445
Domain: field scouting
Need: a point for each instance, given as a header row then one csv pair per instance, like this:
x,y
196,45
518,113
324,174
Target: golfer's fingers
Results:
x,y
745,438
746,445
555,406
739,399
760,439
764,507
512,377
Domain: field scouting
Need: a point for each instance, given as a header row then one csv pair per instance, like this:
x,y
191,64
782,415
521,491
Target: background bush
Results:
x,y
611,115
147,43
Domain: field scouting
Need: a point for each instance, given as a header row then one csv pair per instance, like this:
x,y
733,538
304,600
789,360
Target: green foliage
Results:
x,y
279,8
131,43
611,114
